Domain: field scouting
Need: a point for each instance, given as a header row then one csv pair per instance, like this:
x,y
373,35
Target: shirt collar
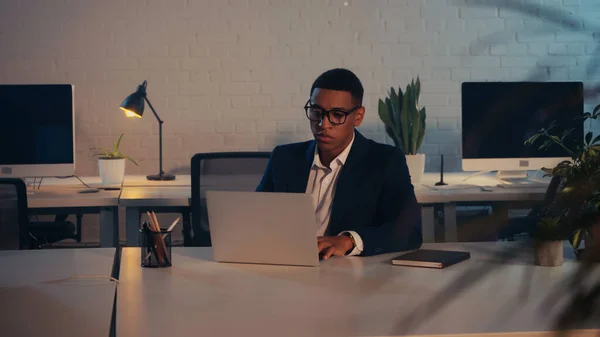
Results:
x,y
340,159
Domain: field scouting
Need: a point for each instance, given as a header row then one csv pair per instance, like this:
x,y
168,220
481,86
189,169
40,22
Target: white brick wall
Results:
x,y
233,75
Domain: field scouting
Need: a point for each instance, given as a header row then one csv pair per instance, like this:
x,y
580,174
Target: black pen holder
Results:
x,y
156,248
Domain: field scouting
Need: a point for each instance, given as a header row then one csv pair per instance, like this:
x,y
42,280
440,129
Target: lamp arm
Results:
x,y
153,111
160,147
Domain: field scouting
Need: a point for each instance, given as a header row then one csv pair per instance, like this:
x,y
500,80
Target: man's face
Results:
x,y
328,135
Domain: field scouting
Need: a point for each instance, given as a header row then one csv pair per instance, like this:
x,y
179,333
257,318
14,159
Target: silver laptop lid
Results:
x,y
262,227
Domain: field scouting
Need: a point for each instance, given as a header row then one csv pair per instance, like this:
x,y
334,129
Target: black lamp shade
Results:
x,y
133,105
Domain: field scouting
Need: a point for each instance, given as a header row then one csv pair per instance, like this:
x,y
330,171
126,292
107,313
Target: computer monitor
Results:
x,y
37,137
498,117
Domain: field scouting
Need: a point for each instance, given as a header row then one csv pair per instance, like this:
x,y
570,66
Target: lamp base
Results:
x,y
161,177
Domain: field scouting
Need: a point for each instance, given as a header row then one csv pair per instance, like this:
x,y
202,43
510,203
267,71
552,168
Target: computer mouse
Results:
x,y
89,190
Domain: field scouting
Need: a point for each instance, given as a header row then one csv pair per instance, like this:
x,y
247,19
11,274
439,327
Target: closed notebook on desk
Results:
x,y
431,258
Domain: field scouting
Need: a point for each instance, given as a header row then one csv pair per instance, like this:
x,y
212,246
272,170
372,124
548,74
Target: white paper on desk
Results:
x,y
451,187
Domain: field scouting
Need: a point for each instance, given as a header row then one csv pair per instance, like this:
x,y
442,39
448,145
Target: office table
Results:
x,y
64,199
176,198
471,191
345,296
77,307
135,180
139,194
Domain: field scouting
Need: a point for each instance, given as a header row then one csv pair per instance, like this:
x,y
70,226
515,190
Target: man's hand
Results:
x,y
333,245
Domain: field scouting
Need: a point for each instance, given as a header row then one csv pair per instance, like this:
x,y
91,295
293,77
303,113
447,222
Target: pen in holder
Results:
x,y
155,243
155,247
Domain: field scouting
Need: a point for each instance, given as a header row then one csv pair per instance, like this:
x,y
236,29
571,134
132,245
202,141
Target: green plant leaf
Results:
x,y
532,139
566,133
423,124
417,91
388,104
596,109
596,139
114,153
385,115
133,161
397,113
118,143
390,133
588,138
576,240
405,120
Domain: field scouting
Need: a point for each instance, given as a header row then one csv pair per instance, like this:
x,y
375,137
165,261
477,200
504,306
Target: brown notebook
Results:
x,y
431,258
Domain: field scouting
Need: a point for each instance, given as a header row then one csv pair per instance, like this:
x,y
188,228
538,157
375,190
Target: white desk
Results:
x,y
129,181
347,296
78,307
66,199
138,193
453,193
177,197
136,198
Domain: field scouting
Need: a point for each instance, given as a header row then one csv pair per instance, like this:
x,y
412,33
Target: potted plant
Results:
x,y
404,122
578,200
111,163
548,242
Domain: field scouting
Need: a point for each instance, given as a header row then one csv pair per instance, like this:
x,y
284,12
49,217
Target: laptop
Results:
x,y
263,228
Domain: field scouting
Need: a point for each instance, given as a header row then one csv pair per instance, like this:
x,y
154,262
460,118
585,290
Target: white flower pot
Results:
x,y
416,167
112,171
548,253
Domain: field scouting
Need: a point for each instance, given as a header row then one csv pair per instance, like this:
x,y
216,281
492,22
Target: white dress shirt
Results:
x,y
321,185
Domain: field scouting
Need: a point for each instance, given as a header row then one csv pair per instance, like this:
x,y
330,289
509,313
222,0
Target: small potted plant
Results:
x,y
404,122
579,197
111,163
548,242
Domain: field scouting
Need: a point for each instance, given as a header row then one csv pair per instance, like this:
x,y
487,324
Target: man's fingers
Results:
x,y
323,245
328,252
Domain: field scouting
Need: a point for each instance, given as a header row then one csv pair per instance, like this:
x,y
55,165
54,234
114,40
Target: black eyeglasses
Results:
x,y
335,116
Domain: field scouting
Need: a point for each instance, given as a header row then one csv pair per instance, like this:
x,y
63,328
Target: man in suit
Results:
x,y
363,197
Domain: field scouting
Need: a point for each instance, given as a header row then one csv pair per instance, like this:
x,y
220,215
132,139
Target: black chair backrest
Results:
x,y
219,170
14,221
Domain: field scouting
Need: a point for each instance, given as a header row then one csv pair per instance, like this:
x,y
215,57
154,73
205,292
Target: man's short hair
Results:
x,y
342,80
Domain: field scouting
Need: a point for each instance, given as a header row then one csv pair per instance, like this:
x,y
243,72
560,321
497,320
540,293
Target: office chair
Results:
x,y
220,166
14,225
45,233
14,211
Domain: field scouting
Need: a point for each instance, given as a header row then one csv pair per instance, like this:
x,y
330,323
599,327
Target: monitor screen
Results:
x,y
498,117
36,125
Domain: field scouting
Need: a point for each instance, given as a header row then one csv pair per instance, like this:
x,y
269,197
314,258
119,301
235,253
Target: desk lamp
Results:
x,y
133,106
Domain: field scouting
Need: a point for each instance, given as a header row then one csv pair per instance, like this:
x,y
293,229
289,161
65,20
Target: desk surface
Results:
x,y
79,307
347,296
60,196
456,191
138,191
129,181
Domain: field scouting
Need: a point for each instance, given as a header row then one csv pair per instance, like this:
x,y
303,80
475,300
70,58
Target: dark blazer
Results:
x,y
374,196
